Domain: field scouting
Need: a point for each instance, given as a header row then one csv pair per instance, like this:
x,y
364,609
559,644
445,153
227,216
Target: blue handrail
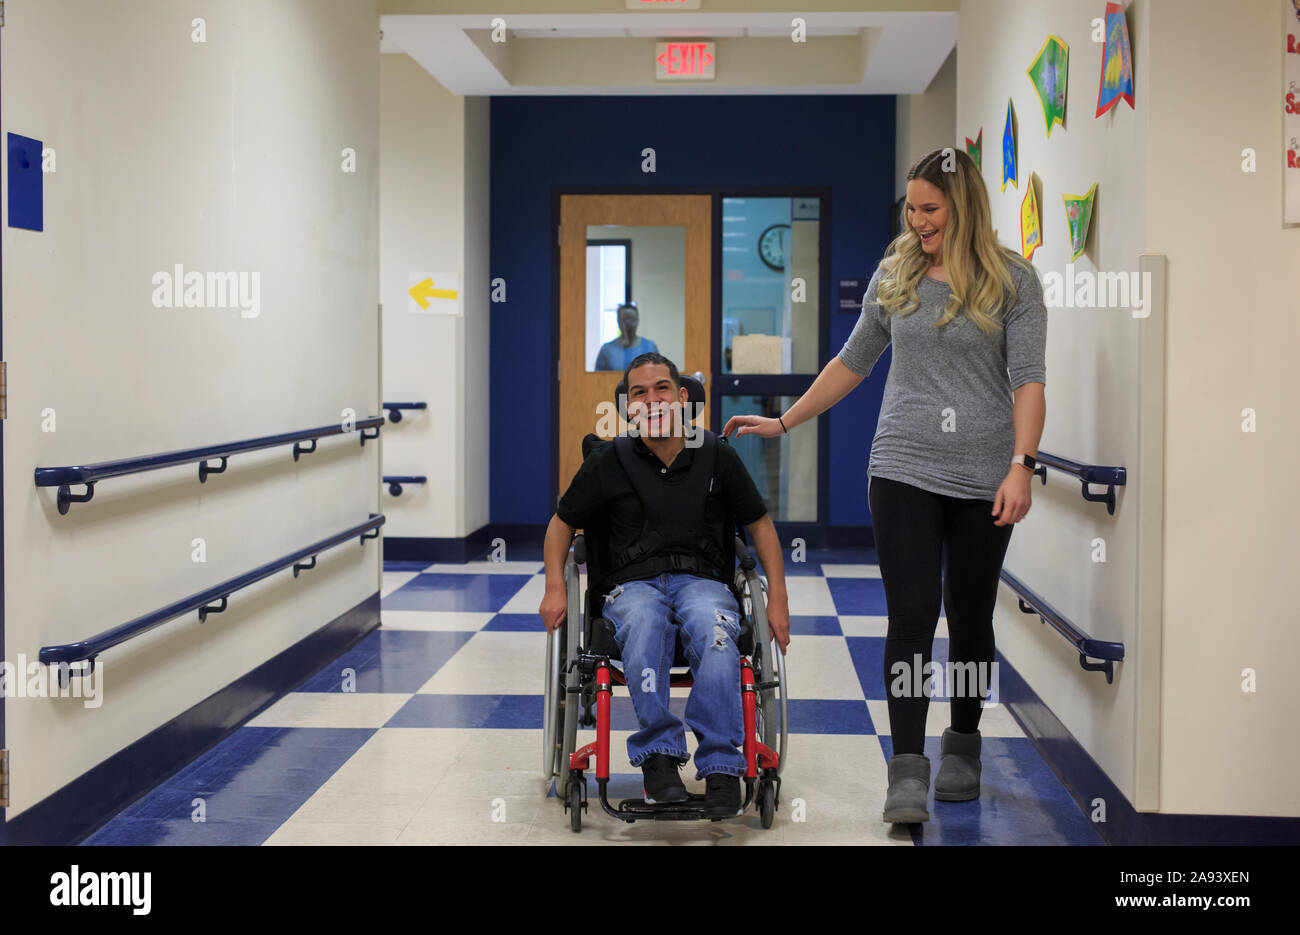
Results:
x,y
1031,603
91,474
395,482
1098,474
87,650
395,409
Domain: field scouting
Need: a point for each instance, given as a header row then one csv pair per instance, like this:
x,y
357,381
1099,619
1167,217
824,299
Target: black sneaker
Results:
x,y
662,784
721,795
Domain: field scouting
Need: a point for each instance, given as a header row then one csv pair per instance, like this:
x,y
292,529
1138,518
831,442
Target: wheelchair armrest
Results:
x,y
746,559
579,549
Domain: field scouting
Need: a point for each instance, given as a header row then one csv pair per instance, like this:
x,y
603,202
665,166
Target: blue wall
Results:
x,y
845,142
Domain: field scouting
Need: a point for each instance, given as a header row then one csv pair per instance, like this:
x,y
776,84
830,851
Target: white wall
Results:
x,y
222,155
1231,514
1170,182
473,501
924,122
434,217
1092,355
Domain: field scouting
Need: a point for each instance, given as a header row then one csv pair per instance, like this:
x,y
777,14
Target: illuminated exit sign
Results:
x,y
690,60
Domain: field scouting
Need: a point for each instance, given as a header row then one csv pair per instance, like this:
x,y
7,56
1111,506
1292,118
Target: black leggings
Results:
x,y
917,533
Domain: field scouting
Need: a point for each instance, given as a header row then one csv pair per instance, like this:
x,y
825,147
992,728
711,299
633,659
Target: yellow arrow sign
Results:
x,y
423,291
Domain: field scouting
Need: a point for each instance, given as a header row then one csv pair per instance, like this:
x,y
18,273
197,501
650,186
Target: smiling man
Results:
x,y
669,583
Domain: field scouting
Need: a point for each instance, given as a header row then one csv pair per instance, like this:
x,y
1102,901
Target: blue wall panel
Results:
x,y
539,144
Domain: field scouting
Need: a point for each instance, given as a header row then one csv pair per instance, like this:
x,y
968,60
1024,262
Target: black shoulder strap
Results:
x,y
670,514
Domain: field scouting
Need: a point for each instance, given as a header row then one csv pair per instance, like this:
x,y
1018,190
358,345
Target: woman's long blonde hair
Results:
x,y
978,267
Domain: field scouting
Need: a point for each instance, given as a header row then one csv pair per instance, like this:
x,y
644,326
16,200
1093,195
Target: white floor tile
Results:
x,y
821,667
440,620
494,663
485,568
850,571
855,625
995,721
331,709
311,834
809,596
394,580
833,791
528,598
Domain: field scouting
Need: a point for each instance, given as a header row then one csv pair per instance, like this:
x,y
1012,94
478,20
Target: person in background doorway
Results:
x,y
952,456
627,347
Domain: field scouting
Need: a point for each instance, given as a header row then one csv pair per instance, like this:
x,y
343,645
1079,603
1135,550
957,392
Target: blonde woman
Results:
x,y
952,457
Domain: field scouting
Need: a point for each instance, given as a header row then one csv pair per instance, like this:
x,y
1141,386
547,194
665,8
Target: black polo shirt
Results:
x,y
602,486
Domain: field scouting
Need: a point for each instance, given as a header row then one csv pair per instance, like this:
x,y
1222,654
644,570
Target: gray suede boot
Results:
x,y
909,786
959,769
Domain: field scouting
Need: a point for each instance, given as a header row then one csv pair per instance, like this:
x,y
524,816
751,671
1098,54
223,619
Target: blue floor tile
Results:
x,y
390,661
827,716
249,784
1021,802
136,832
455,591
868,655
516,623
858,596
801,625
491,712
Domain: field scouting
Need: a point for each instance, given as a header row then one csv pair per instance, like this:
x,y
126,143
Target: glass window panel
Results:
x,y
645,266
771,285
784,468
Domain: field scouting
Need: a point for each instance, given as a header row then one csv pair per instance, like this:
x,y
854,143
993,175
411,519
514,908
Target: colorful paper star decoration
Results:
x,y
973,147
1031,233
1050,74
1078,215
1116,82
1009,151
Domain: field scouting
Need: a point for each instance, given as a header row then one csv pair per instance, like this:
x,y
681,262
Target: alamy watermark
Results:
x,y
1095,289
919,679
34,679
179,289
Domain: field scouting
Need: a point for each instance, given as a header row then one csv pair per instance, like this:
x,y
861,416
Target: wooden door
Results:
x,y
582,391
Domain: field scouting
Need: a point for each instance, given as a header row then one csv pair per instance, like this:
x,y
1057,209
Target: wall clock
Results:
x,y
771,246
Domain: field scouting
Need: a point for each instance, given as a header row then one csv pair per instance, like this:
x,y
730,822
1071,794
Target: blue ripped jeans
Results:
x,y
647,616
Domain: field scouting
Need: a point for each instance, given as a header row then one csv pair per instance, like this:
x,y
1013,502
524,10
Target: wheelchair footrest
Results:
x,y
690,810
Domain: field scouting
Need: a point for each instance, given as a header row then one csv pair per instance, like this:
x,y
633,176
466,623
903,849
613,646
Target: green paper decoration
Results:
x,y
1050,74
1078,215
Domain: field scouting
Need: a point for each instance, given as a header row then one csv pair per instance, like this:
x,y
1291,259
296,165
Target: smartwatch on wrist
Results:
x,y
1027,460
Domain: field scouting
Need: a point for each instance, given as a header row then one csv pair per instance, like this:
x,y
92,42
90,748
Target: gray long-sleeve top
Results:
x,y
946,420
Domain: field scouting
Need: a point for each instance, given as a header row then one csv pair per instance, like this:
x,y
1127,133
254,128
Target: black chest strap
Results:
x,y
673,515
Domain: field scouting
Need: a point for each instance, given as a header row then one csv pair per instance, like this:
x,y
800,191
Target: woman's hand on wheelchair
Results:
x,y
753,425
554,608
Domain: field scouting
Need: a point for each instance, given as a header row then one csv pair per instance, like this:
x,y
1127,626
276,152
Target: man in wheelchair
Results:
x,y
669,583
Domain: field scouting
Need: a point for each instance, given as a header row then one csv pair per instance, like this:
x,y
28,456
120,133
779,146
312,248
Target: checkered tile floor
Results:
x,y
428,732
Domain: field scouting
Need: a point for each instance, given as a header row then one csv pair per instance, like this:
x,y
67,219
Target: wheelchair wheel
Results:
x,y
560,707
769,666
766,802
575,807
552,703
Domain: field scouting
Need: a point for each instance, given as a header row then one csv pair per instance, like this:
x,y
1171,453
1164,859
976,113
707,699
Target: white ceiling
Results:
x,y
612,53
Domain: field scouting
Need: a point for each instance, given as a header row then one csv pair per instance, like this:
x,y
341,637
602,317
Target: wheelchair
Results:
x,y
582,666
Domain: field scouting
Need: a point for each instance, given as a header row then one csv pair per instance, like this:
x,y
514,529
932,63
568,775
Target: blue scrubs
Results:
x,y
614,356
